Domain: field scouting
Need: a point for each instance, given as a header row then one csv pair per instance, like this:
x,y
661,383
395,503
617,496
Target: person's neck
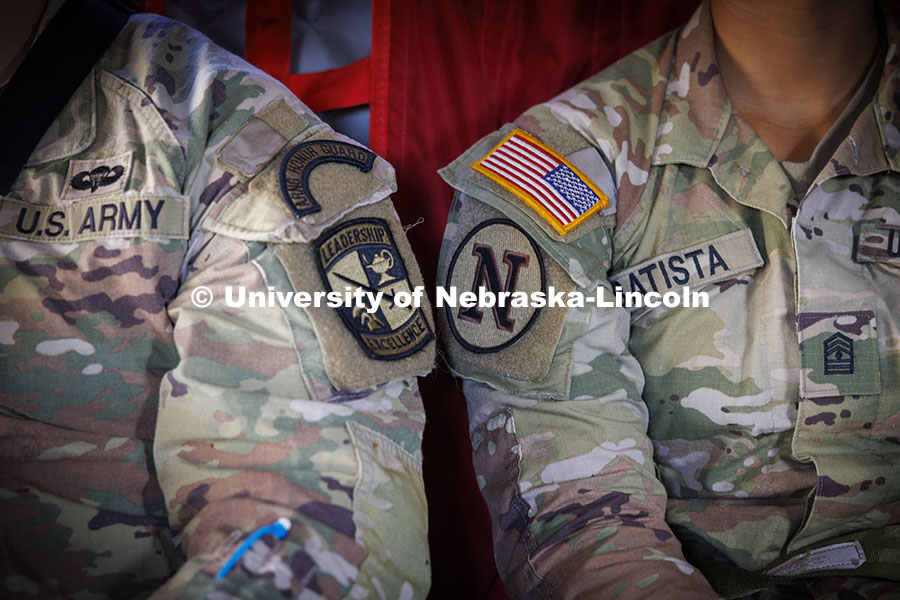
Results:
x,y
790,67
17,30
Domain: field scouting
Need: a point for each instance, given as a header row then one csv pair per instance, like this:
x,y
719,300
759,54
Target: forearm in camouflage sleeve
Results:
x,y
577,509
561,451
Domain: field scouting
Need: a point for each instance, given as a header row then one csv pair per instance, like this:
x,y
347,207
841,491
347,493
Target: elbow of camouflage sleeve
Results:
x,y
335,546
247,433
319,554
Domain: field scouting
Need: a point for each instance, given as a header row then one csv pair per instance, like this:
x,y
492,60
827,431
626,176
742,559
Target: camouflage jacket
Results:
x,y
144,436
615,445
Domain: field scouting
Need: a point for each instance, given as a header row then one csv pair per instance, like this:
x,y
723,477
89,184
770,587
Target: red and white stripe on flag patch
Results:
x,y
543,179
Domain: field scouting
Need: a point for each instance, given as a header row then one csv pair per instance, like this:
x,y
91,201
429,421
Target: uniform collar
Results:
x,y
73,130
60,142
699,127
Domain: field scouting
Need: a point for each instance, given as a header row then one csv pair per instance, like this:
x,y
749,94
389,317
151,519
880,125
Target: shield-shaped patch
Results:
x,y
361,254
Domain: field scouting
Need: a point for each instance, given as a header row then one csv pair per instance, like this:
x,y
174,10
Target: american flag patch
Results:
x,y
543,179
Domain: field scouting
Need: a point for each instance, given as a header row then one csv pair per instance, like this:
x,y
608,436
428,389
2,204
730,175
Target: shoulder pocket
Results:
x,y
355,277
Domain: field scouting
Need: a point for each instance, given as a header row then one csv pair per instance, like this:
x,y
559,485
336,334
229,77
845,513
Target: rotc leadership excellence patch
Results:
x,y
299,162
362,254
543,179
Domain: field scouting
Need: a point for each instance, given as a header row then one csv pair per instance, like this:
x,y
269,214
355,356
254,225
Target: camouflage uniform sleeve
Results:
x,y
558,425
277,409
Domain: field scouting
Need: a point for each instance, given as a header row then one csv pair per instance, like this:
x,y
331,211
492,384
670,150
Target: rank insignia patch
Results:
x,y
299,162
498,256
361,254
838,354
838,351
543,179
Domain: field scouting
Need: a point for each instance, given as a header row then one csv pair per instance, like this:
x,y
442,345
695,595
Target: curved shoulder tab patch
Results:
x,y
316,180
543,179
298,163
359,256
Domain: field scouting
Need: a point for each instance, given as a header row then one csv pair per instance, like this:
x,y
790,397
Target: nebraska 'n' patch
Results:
x,y
498,256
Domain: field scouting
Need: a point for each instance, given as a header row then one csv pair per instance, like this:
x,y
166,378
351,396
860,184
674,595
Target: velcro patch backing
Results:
x,y
257,210
485,249
848,555
127,216
542,178
838,353
369,250
261,138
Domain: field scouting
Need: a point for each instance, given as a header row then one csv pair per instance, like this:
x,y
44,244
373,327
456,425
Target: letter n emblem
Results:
x,y
487,275
498,257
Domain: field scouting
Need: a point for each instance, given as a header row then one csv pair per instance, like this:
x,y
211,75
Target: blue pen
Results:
x,y
279,529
